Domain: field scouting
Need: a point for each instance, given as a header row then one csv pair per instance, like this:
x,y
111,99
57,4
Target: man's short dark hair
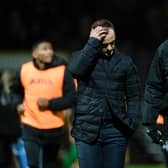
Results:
x,y
36,44
103,23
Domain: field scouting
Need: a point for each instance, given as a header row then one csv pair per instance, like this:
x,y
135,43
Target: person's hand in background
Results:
x,y
42,103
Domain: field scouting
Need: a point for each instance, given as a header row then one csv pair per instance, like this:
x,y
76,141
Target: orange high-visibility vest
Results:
x,y
41,83
160,120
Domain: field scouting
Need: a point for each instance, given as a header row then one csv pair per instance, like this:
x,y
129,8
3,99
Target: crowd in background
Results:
x,y
142,22
140,25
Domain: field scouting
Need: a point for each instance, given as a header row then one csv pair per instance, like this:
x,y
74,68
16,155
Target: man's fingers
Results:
x,y
99,32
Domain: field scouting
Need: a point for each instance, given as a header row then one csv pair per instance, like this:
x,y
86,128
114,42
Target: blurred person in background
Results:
x,y
156,97
44,89
19,153
68,150
9,121
108,99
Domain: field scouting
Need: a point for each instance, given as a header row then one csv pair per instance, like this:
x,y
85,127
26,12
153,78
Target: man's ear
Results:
x,y
34,54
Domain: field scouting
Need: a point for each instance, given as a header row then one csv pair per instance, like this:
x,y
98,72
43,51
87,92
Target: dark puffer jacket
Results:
x,y
108,89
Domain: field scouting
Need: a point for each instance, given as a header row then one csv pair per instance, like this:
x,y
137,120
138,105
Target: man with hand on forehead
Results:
x,y
108,99
107,37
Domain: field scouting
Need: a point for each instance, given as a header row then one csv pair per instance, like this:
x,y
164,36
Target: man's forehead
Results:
x,y
109,37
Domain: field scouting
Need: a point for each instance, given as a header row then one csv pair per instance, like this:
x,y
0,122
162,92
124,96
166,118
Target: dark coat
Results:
x,y
108,88
156,90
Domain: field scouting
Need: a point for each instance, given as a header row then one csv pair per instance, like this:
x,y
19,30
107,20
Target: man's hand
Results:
x,y
99,32
42,103
20,109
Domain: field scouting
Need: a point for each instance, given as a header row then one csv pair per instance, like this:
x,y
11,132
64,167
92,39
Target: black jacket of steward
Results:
x,y
156,89
108,89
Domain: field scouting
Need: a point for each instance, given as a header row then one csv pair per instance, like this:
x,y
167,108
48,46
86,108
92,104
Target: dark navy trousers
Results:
x,y
108,151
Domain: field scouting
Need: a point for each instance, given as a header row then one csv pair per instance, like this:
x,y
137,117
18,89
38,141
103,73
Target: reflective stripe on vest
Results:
x,y
41,83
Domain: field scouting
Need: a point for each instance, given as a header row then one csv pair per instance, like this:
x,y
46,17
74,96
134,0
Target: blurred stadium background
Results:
x,y
140,26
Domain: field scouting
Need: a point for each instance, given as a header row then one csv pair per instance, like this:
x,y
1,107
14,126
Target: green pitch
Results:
x,y
145,166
